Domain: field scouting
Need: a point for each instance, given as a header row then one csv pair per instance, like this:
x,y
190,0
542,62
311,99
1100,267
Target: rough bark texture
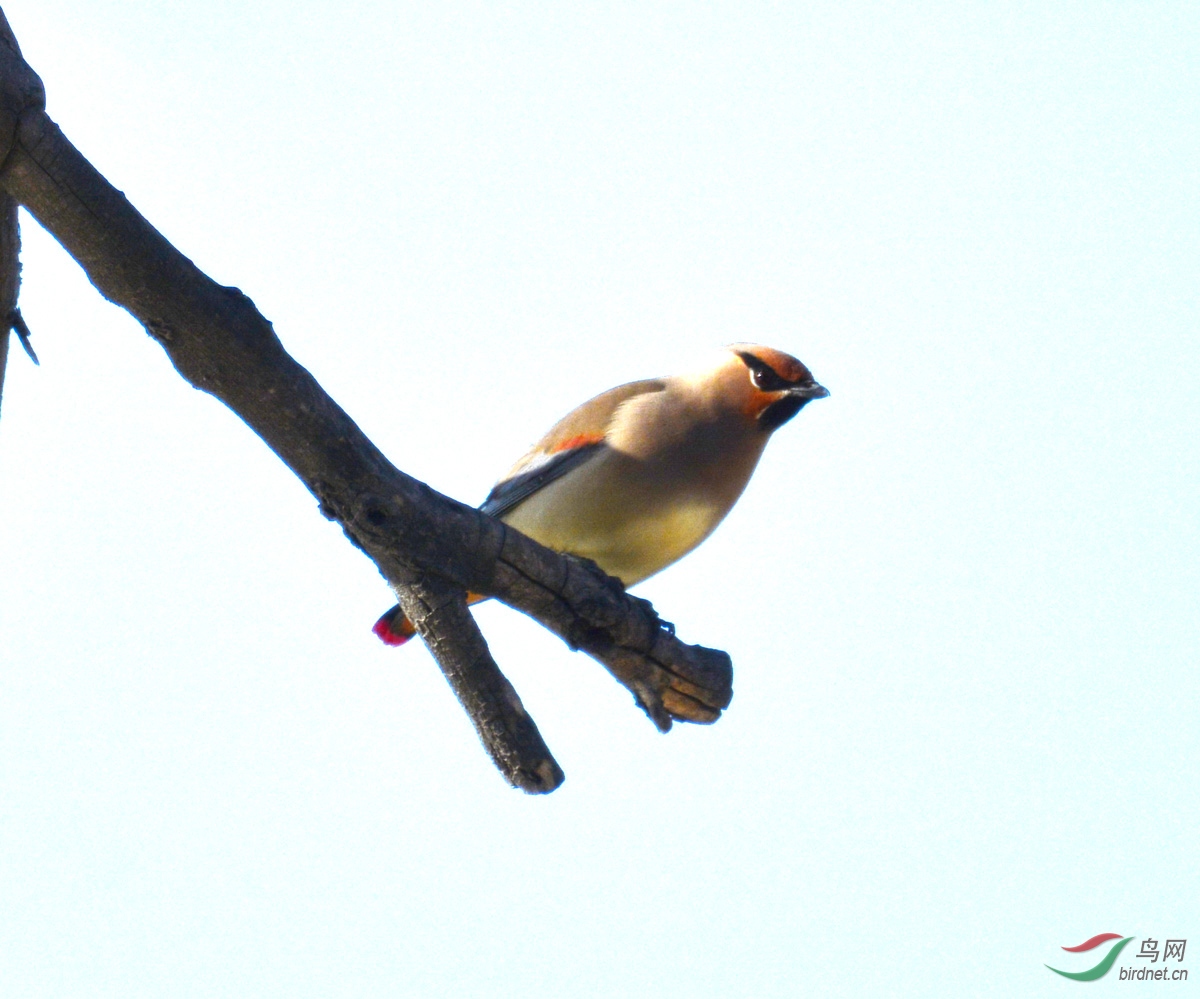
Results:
x,y
19,88
430,548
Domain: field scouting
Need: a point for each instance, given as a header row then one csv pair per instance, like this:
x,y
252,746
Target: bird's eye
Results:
x,y
765,379
762,376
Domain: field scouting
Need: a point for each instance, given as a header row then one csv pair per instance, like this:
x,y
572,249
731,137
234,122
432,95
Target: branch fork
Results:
x,y
430,548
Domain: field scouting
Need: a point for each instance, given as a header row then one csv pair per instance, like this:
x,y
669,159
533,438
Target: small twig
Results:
x,y
16,323
10,271
508,733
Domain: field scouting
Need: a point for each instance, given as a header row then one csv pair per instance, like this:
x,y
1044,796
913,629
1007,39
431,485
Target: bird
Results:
x,y
638,476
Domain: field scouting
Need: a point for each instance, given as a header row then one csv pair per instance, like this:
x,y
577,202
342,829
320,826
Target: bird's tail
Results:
x,y
394,627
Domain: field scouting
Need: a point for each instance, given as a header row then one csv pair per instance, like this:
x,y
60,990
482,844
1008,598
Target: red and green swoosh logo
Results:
x,y
1101,969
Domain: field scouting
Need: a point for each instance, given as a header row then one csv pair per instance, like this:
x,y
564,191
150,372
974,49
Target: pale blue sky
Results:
x,y
961,594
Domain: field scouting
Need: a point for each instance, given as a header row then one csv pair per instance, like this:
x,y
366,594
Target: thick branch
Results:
x,y
220,343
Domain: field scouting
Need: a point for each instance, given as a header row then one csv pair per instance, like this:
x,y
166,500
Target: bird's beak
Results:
x,y
809,392
788,403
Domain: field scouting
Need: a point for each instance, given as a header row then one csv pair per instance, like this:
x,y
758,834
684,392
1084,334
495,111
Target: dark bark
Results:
x,y
19,88
431,549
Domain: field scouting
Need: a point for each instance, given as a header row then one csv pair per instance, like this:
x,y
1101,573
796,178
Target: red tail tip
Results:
x,y
383,628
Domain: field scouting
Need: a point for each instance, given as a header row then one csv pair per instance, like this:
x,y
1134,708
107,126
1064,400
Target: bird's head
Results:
x,y
767,386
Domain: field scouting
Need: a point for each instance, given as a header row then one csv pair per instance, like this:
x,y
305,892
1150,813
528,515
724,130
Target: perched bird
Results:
x,y
638,476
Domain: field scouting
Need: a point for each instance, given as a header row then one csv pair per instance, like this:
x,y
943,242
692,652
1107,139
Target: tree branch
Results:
x,y
20,88
430,548
439,612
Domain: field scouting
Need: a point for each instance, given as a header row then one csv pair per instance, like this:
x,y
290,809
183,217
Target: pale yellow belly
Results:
x,y
631,529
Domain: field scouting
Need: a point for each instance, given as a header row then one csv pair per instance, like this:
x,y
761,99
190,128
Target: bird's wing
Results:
x,y
507,493
573,440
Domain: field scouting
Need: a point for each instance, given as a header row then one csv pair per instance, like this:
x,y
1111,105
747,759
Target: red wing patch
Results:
x,y
579,440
